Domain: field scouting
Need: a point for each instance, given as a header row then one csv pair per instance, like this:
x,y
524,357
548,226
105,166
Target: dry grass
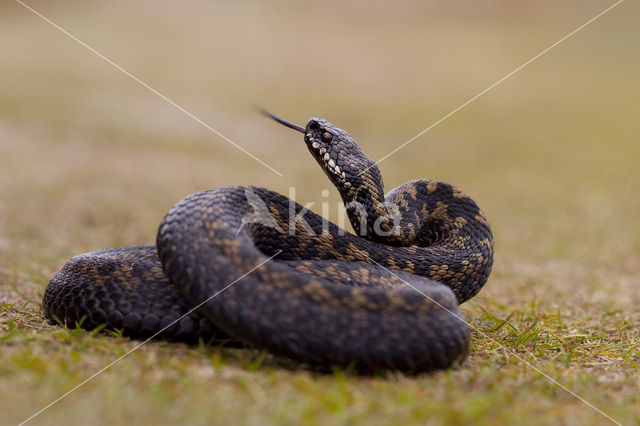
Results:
x,y
89,159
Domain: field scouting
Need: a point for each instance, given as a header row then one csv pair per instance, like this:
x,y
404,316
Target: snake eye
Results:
x,y
326,137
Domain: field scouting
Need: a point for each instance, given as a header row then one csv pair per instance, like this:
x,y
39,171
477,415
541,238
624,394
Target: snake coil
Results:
x,y
253,266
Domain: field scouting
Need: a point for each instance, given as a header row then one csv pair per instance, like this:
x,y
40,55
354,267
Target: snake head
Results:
x,y
335,151
354,174
342,160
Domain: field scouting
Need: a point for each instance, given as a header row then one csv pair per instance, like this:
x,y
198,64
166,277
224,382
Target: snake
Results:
x,y
249,266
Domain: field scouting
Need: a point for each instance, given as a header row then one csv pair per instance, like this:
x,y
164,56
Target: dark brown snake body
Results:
x,y
386,299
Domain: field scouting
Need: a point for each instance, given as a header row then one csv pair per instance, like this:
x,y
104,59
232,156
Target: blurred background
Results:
x,y
89,158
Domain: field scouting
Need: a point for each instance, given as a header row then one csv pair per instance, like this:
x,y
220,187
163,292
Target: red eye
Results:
x,y
326,137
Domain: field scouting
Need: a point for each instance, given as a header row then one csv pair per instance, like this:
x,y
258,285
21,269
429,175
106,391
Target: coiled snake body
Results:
x,y
277,277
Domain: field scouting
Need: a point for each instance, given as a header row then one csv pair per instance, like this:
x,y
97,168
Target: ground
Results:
x,y
89,158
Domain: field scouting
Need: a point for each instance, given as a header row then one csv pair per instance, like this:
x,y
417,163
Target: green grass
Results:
x,y
90,159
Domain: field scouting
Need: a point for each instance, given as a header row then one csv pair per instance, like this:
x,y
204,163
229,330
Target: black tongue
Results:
x,y
284,122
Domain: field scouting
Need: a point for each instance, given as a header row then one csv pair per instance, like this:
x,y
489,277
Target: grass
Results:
x,y
90,159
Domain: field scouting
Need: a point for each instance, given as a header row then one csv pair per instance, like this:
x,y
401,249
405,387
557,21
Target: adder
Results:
x,y
250,265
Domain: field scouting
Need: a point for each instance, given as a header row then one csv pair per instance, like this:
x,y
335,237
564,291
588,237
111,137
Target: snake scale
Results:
x,y
265,272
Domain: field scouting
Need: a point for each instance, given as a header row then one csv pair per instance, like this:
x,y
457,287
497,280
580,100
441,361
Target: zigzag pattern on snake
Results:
x,y
386,298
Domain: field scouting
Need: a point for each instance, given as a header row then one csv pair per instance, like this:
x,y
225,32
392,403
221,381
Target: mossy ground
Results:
x,y
90,159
